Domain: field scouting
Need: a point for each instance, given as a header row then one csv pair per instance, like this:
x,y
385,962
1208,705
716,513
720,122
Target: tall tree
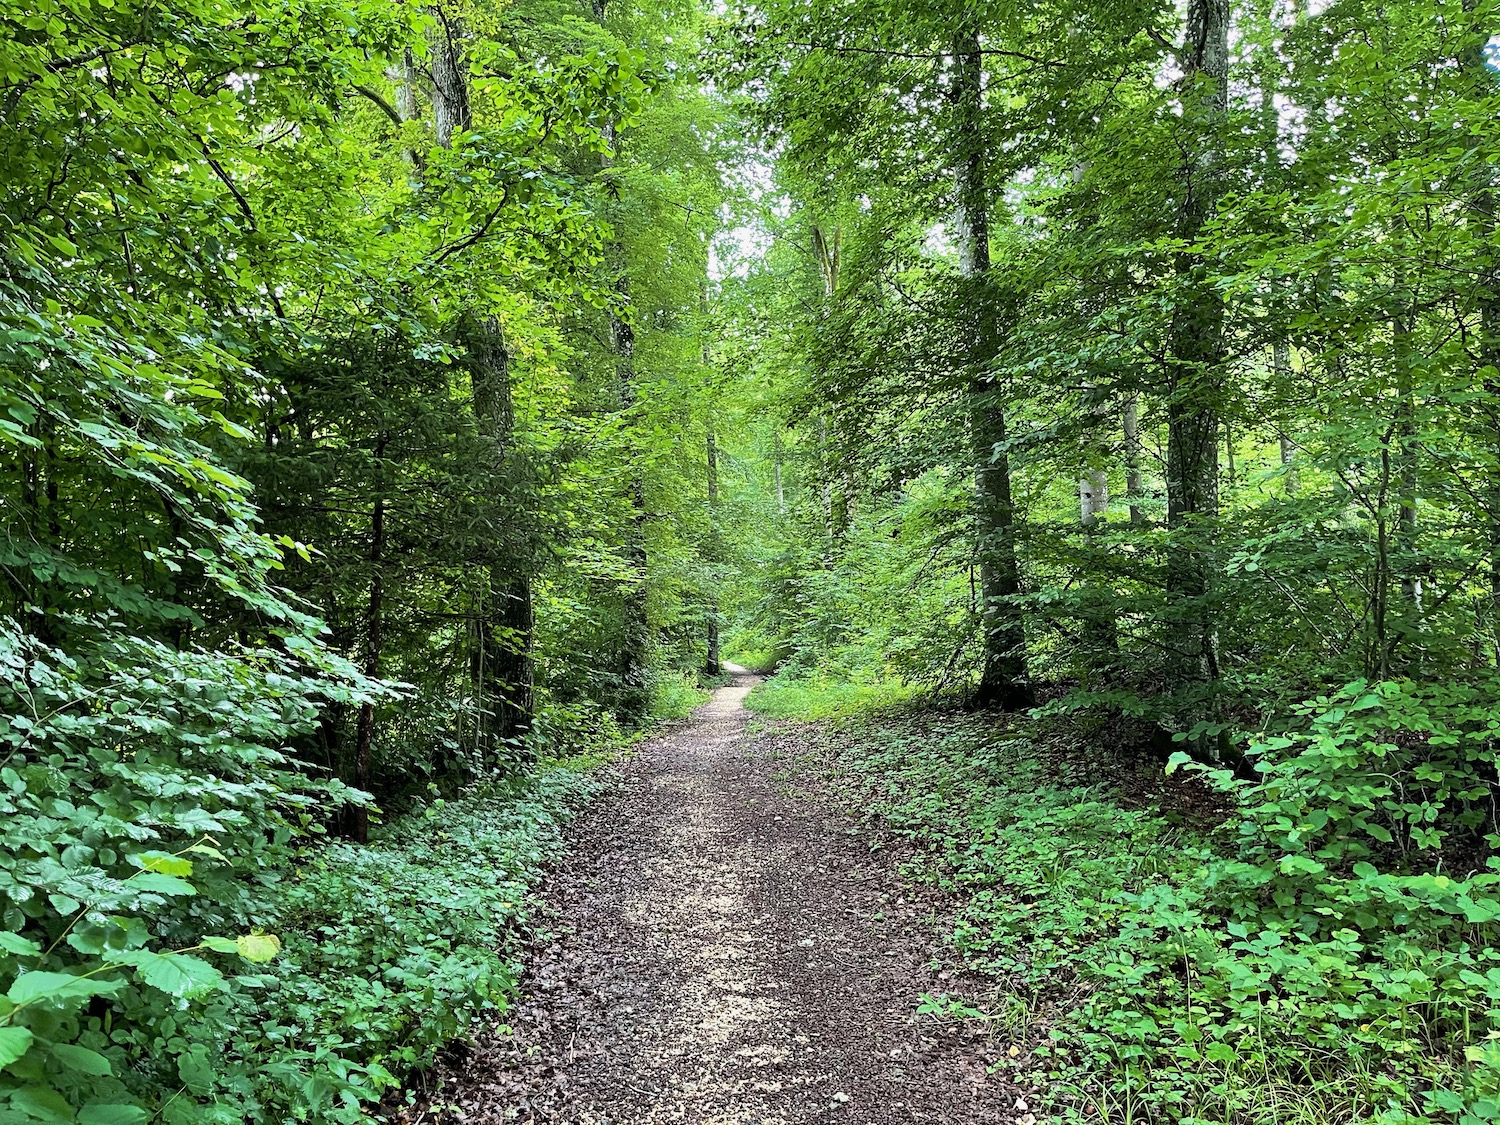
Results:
x,y
1003,680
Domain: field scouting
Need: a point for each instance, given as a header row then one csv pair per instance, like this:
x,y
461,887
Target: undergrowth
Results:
x,y
392,950
1167,968
815,697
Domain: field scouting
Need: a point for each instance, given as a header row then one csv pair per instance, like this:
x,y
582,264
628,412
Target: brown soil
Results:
x,y
726,951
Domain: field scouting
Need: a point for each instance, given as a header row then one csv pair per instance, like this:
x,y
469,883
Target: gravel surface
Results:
x,y
725,951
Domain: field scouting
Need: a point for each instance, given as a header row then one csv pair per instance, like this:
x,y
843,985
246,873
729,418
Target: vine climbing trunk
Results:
x,y
1003,678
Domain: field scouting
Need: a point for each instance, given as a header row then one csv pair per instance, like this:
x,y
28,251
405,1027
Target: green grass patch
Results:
x,y
676,695
812,697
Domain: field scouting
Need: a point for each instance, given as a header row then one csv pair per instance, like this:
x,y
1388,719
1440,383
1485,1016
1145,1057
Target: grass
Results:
x,y
676,695
815,698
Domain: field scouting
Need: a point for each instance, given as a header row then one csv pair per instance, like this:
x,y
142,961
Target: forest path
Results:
x,y
726,952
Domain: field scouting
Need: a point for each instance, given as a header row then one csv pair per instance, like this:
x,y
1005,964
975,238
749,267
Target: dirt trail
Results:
x,y
726,953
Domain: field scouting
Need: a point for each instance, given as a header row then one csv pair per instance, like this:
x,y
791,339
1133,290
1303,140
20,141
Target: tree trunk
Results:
x,y
358,818
506,674
1196,354
1406,464
1003,678
451,111
1130,424
1281,367
776,467
712,663
1483,77
634,658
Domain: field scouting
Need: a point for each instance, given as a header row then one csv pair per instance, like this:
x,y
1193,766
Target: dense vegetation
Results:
x,y
1132,368
352,435
394,400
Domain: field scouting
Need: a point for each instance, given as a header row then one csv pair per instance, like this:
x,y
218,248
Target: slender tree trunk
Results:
x,y
713,663
1484,80
828,247
364,731
1003,678
1093,504
776,467
635,642
1281,367
1130,424
825,474
1406,465
1196,354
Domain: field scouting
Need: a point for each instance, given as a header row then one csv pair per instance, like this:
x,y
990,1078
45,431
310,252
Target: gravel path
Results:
x,y
726,952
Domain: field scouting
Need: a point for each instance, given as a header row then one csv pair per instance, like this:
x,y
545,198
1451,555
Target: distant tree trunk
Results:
x,y
635,642
1093,504
713,664
1406,460
1281,368
358,818
1196,350
1003,679
1483,78
1130,424
405,77
776,466
828,248
1093,496
825,475
506,674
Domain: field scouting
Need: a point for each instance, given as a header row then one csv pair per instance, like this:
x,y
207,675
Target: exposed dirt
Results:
x,y
726,952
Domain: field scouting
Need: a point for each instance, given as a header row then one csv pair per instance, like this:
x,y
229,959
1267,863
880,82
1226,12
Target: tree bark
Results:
x,y
506,672
451,110
1003,678
1130,424
713,664
776,467
1196,353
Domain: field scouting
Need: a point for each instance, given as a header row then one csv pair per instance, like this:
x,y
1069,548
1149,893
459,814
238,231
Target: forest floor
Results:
x,y
724,948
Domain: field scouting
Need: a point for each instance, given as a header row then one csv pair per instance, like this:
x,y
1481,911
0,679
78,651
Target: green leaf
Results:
x,y
81,1059
173,973
221,944
42,1103
160,884
100,1113
164,862
258,948
14,1042
1179,758
15,943
58,987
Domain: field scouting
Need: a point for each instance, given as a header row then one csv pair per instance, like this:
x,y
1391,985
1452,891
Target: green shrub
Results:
x,y
1309,961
